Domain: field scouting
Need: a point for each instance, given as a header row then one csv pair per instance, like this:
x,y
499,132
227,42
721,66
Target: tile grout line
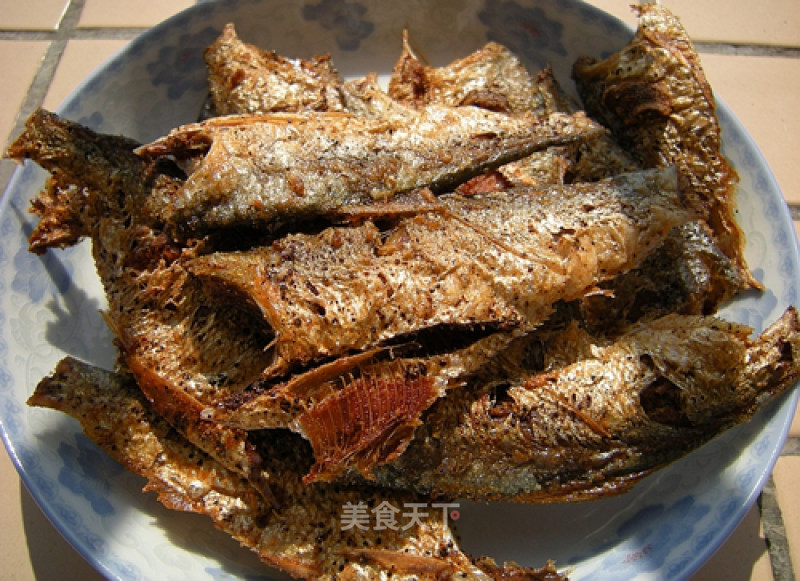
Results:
x,y
747,49
47,69
775,533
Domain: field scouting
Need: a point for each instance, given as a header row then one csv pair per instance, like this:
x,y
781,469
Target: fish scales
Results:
x,y
498,261
596,416
263,170
303,534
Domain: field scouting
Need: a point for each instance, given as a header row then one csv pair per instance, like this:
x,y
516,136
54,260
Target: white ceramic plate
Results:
x,y
664,529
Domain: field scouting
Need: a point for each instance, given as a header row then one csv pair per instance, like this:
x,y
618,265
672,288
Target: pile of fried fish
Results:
x,y
327,293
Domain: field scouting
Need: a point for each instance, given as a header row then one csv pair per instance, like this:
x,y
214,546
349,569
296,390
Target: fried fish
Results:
x,y
655,97
243,79
575,417
305,533
154,307
491,78
498,261
263,170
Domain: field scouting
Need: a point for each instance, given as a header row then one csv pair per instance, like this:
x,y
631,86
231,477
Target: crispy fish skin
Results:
x,y
245,79
688,274
498,261
360,411
93,175
169,335
260,170
303,535
655,97
492,78
600,415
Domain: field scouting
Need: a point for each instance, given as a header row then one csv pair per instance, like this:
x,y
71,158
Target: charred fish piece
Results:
x,y
305,534
598,416
266,170
243,79
498,261
654,96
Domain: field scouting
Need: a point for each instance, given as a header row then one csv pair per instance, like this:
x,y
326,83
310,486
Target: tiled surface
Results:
x,y
19,61
128,13
758,89
747,49
766,22
786,476
80,58
743,558
32,14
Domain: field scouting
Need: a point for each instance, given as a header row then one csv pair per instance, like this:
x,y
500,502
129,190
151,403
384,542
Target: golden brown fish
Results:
x,y
360,411
305,533
688,274
491,78
655,97
264,170
93,175
498,261
154,307
243,78
577,418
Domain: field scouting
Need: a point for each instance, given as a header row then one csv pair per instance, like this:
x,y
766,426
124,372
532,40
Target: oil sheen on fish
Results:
x,y
576,418
498,261
304,534
263,170
655,97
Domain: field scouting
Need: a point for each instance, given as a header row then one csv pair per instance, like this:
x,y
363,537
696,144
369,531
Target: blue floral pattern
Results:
x,y
346,19
79,473
523,29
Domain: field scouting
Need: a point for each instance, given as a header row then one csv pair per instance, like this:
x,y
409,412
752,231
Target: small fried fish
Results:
x,y
598,415
266,170
243,78
360,411
491,78
498,261
654,96
168,333
305,533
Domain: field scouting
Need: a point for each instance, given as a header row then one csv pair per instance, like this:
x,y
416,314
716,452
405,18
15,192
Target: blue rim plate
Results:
x,y
666,527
